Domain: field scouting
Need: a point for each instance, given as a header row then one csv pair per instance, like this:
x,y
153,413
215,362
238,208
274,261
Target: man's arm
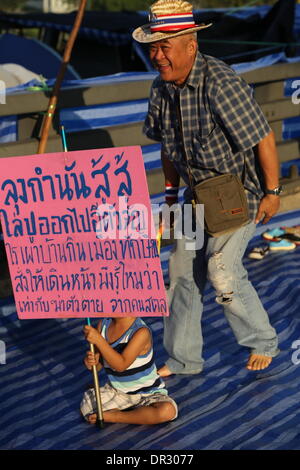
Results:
x,y
268,158
172,180
171,176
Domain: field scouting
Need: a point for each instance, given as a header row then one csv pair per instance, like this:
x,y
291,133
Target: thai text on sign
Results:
x,y
79,235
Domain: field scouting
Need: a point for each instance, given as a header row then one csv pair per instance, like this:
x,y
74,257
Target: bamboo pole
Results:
x,y
66,59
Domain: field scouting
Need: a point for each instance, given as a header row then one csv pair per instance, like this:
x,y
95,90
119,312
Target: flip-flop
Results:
x,y
273,234
278,234
293,230
291,237
282,245
258,252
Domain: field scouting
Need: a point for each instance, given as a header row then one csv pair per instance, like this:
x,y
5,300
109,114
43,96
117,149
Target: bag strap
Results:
x,y
212,114
179,118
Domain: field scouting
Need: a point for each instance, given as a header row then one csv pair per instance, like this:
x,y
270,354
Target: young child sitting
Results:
x,y
125,346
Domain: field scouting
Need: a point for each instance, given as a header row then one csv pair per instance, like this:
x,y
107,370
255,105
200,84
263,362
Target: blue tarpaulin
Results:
x,y
225,407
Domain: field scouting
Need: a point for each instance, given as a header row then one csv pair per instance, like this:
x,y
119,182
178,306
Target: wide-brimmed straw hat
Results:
x,y
168,19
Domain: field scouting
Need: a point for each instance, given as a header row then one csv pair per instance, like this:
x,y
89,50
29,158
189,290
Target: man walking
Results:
x,y
204,115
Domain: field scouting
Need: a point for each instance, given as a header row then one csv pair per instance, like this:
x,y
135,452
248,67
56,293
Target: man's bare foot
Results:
x,y
258,362
164,371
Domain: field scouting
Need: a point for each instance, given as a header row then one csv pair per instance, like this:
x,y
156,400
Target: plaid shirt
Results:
x,y
221,123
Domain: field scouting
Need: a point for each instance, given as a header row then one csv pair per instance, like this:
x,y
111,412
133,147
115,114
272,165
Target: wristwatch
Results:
x,y
275,191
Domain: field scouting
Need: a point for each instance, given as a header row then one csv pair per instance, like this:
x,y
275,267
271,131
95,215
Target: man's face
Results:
x,y
174,58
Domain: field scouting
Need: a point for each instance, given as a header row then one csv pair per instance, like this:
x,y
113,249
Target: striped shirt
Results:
x,y
141,376
221,124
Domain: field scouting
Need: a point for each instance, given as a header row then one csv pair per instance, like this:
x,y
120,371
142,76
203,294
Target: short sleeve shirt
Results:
x,y
221,123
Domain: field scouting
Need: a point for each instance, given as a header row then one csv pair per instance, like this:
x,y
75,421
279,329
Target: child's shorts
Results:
x,y
115,399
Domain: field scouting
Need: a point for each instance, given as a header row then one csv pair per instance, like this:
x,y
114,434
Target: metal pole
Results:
x,y
100,421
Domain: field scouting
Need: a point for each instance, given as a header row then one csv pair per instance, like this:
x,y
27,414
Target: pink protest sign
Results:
x,y
79,235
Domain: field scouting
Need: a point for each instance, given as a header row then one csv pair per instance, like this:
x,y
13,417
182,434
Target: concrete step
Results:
x,y
276,72
275,91
281,109
288,150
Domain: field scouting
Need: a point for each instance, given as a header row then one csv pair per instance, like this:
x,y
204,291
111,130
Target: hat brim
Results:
x,y
143,33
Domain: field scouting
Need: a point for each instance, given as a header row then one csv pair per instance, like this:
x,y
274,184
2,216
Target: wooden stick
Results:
x,y
66,59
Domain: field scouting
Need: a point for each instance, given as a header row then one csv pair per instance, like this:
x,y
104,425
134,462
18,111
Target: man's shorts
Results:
x,y
115,399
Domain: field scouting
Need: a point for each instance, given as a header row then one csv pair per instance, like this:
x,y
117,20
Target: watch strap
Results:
x,y
275,191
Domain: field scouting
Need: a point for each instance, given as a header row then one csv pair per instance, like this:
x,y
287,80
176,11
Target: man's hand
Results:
x,y
269,206
167,224
91,334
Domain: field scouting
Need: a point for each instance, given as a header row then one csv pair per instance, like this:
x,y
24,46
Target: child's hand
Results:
x,y
91,359
91,334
